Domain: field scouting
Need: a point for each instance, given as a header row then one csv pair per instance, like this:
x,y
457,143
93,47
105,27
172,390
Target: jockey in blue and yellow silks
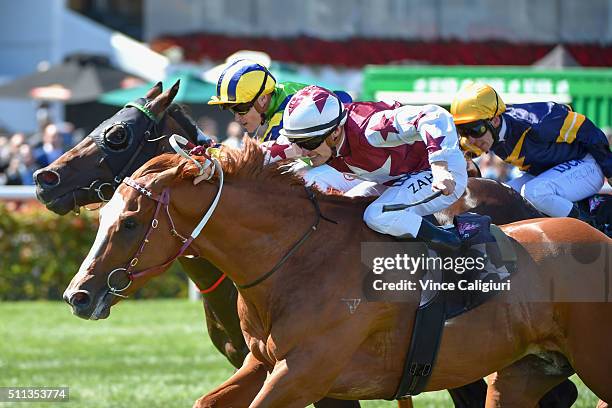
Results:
x,y
255,98
564,155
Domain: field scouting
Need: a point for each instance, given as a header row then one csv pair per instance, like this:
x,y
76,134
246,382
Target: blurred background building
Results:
x,y
406,50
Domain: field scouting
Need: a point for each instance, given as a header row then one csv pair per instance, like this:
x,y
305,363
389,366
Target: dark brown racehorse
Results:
x,y
89,172
295,323
84,175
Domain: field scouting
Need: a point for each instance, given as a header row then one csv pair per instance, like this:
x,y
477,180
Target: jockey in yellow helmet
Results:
x,y
564,155
253,95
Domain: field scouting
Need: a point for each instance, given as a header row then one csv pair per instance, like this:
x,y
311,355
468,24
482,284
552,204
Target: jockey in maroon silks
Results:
x,y
401,153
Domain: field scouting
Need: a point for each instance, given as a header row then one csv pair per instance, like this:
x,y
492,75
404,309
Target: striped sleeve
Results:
x,y
569,129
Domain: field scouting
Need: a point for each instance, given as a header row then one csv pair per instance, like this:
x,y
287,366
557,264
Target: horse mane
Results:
x,y
240,164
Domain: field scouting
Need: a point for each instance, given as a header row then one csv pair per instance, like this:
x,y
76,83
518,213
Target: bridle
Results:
x,y
124,160
163,202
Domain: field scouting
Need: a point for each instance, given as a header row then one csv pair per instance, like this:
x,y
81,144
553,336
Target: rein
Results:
x,y
294,248
163,201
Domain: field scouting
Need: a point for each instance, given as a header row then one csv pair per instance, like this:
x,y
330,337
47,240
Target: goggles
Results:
x,y
474,129
239,108
310,143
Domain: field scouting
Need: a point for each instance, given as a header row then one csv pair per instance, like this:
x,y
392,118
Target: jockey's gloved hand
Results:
x,y
206,175
442,178
447,187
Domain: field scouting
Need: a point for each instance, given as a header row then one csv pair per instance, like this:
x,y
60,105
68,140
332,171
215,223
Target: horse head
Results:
x,y
156,215
91,171
139,228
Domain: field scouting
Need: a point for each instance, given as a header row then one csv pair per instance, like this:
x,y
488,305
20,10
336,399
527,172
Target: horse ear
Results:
x,y
155,91
161,102
174,90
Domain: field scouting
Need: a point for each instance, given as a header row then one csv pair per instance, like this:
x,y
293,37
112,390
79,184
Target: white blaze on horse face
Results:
x,y
109,215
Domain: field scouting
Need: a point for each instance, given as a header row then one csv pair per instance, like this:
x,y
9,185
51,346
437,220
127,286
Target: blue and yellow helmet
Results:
x,y
242,81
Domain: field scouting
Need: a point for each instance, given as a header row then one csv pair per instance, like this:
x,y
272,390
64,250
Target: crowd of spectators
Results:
x,y
21,154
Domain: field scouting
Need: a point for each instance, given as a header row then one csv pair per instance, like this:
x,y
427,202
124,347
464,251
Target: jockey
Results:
x,y
252,94
408,151
565,156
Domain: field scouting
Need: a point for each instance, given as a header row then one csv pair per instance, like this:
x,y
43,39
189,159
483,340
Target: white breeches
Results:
x,y
407,189
554,191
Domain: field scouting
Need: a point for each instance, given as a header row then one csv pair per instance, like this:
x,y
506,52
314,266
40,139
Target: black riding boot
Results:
x,y
438,238
581,215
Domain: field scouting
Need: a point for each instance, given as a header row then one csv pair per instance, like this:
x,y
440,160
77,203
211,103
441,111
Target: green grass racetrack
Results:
x,y
147,354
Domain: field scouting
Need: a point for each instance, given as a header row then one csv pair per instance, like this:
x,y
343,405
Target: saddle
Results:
x,y
473,286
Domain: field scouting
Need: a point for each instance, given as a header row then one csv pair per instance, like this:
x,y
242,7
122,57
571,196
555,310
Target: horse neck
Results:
x,y
252,229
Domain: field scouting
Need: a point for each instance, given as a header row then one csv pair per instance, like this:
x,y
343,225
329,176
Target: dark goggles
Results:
x,y
310,143
474,129
239,108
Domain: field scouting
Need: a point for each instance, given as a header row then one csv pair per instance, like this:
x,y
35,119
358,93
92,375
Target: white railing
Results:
x,y
17,193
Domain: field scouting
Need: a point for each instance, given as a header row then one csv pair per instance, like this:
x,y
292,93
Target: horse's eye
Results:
x,y
116,137
129,223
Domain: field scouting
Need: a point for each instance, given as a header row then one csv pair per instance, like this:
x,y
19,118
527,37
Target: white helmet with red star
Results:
x,y
313,111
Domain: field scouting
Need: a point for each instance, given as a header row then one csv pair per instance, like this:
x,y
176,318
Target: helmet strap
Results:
x,y
262,87
494,131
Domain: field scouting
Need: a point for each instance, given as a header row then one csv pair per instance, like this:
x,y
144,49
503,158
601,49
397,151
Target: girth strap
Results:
x,y
424,345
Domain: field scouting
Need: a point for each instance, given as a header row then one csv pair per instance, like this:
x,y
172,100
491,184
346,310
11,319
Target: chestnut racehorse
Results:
x,y
83,176
298,329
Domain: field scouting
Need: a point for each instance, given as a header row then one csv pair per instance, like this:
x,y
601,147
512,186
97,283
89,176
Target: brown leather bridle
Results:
x,y
163,202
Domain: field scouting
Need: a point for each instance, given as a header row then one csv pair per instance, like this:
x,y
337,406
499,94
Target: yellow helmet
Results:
x,y
242,81
476,101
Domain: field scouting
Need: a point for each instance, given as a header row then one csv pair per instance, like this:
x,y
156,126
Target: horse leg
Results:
x,y
470,396
306,373
405,403
520,385
562,396
239,390
220,309
334,403
589,348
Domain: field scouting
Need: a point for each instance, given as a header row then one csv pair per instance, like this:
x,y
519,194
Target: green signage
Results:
x,y
589,91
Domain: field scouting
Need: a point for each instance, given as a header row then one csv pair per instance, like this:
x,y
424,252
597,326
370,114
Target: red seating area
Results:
x,y
358,52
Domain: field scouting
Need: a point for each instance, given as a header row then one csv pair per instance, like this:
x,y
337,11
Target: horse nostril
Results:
x,y
47,178
80,299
